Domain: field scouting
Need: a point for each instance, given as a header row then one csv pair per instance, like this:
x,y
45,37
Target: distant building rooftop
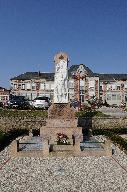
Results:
x,y
3,89
111,77
73,68
34,75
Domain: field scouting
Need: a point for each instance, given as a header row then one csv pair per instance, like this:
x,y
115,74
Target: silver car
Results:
x,y
41,103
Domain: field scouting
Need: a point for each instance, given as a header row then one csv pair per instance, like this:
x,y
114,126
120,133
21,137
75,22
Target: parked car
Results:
x,y
1,104
41,103
19,102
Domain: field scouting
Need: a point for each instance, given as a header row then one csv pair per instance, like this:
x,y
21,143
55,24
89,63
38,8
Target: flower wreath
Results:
x,y
62,139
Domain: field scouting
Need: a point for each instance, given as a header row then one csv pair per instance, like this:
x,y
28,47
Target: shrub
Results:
x,y
23,113
6,138
91,113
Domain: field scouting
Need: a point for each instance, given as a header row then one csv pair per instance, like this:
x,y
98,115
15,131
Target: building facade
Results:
x,y
4,95
83,85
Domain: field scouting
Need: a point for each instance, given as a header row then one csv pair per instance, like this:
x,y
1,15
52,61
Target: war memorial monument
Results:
x,y
61,136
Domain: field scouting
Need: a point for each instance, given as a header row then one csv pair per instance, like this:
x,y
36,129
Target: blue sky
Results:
x,y
92,32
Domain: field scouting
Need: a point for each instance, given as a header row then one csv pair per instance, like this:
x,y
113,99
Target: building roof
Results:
x,y
3,89
49,76
111,77
74,68
34,75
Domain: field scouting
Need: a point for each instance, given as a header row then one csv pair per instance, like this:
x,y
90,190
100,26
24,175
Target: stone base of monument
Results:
x,y
62,120
61,111
73,133
63,148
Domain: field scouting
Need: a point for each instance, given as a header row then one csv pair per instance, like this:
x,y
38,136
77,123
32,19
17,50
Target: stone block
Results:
x,y
61,111
63,148
45,148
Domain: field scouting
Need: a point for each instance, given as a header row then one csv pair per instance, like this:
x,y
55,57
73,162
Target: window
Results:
x,y
122,86
19,86
118,87
28,96
42,86
23,86
100,88
52,86
109,97
71,91
125,98
15,86
113,96
33,95
28,86
125,87
118,97
81,87
51,97
33,86
47,86
2,98
37,86
82,83
91,84
113,86
71,84
81,91
82,98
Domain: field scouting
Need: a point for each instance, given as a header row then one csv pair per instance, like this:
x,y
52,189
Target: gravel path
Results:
x,y
74,174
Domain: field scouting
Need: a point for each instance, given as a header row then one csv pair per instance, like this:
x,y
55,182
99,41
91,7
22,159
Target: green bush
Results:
x,y
114,130
23,113
6,138
90,114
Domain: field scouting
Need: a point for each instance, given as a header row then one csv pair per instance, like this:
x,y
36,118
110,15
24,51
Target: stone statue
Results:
x,y
61,78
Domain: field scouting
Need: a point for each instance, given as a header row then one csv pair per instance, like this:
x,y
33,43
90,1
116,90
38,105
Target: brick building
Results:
x,y
108,87
4,95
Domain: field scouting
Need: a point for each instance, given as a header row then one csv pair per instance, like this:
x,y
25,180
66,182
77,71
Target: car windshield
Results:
x,y
42,98
19,98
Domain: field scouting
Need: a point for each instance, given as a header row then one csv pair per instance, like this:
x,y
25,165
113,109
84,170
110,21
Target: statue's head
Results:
x,y
61,56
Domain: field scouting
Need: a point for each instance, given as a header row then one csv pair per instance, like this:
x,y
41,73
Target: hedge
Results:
x,y
91,113
6,138
23,113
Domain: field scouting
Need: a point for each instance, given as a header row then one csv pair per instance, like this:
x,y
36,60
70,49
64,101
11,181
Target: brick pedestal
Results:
x,y
61,119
